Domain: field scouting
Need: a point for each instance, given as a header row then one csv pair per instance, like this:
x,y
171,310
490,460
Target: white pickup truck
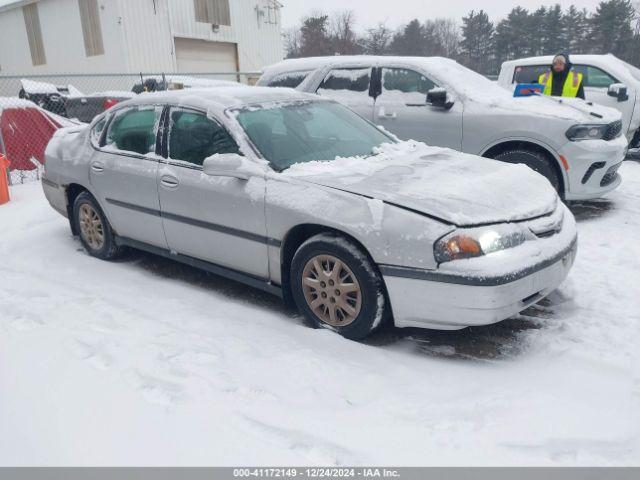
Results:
x,y
607,81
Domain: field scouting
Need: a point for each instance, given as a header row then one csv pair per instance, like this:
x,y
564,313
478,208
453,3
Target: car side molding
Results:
x,y
263,284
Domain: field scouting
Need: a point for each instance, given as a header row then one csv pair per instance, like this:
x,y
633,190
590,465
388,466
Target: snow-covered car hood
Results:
x,y
457,188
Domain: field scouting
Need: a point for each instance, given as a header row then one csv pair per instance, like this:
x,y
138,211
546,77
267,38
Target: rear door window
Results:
x,y
288,79
347,82
193,137
133,130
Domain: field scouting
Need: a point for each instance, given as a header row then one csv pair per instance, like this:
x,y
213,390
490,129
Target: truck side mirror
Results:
x,y
437,97
619,91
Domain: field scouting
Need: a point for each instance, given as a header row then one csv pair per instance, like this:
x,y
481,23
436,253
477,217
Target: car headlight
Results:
x,y
475,242
587,132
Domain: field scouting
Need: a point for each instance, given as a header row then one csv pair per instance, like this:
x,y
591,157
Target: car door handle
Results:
x,y
97,167
169,181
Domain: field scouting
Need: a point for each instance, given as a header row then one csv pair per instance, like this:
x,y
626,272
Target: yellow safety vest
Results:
x,y
570,87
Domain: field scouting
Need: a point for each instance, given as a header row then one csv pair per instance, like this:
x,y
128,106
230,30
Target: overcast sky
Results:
x,y
398,12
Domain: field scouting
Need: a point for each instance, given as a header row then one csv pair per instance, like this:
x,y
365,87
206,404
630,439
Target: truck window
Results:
x,y
529,73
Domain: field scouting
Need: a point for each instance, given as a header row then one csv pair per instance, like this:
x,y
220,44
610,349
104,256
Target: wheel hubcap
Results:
x,y
91,227
331,290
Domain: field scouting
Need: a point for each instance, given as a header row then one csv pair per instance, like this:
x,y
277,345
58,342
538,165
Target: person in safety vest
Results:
x,y
561,80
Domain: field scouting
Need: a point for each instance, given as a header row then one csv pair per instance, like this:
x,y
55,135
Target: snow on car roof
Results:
x,y
223,97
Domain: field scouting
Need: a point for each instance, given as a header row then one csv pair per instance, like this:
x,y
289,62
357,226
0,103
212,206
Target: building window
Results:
x,y
215,12
91,29
34,33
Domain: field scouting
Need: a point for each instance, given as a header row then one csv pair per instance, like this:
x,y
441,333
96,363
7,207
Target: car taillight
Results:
x,y
108,103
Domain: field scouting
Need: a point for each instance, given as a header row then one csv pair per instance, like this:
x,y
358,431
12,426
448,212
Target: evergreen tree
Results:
x,y
314,37
477,42
611,27
512,37
576,31
536,33
410,40
553,34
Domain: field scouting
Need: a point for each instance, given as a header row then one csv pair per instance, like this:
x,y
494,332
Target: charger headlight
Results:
x,y
587,132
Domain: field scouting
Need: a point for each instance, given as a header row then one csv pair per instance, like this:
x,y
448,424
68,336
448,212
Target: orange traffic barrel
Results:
x,y
4,180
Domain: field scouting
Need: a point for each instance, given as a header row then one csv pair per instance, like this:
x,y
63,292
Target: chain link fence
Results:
x,y
33,107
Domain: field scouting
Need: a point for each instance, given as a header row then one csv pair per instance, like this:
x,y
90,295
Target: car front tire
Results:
x,y
335,286
96,235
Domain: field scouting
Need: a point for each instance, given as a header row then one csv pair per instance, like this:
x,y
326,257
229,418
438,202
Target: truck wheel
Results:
x,y
93,228
536,161
335,286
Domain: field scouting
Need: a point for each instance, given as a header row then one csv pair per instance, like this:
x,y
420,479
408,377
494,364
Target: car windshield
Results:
x,y
308,131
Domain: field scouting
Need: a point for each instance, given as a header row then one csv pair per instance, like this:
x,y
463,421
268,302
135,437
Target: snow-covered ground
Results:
x,y
147,362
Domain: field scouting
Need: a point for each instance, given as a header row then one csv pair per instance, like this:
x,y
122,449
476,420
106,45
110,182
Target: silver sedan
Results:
x,y
301,197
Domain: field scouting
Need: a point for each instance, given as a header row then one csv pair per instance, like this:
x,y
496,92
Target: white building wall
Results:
x,y
146,35
259,43
136,37
62,39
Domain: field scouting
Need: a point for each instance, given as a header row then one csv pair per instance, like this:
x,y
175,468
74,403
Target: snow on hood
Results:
x,y
457,188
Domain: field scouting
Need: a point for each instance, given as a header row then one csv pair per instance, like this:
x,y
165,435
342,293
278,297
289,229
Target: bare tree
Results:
x,y
292,41
377,40
447,34
342,33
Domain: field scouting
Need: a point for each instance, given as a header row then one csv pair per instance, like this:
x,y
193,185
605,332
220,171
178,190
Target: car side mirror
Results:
x,y
225,165
619,91
438,97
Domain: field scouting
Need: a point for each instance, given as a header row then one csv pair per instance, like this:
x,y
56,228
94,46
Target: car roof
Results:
x,y
221,98
313,63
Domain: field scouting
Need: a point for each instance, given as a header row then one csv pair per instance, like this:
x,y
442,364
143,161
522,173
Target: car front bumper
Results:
x,y
600,157
427,301
489,288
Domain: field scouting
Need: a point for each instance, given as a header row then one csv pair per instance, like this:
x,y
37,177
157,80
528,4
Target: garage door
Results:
x,y
203,56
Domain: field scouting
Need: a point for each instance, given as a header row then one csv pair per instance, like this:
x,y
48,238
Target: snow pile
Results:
x,y
33,87
108,93
193,369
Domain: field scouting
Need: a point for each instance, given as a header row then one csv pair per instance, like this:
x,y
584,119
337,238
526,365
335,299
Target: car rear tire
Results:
x,y
96,235
335,286
536,161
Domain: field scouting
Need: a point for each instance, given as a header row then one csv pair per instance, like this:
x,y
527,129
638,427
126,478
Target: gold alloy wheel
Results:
x,y
91,227
331,290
